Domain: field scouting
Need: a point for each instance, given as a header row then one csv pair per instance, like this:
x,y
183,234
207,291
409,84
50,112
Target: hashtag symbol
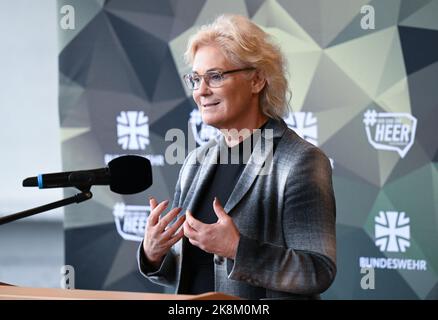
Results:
x,y
370,118
119,210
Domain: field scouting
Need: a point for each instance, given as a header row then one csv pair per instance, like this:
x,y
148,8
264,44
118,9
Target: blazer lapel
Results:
x,y
259,163
203,175
198,184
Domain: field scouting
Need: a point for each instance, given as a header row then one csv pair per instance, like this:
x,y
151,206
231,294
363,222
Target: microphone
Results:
x,y
125,175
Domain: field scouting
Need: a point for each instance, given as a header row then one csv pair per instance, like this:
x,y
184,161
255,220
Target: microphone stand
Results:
x,y
80,197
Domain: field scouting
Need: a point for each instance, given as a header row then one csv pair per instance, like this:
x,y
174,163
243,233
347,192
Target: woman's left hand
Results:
x,y
220,238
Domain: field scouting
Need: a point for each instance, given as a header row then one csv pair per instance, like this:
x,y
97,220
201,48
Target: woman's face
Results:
x,y
231,105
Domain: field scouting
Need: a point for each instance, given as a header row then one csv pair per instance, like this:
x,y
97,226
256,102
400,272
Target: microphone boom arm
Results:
x,y
78,198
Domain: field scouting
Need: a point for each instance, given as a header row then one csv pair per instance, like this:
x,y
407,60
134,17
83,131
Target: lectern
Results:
x,y
8,292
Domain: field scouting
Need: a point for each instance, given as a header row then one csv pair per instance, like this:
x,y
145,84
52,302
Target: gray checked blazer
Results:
x,y
284,207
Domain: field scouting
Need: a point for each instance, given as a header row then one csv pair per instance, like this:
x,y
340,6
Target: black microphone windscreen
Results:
x,y
130,174
30,182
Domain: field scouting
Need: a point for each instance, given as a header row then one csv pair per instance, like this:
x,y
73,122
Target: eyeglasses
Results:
x,y
213,79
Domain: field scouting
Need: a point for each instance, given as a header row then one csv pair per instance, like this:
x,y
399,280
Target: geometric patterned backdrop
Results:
x,y
367,97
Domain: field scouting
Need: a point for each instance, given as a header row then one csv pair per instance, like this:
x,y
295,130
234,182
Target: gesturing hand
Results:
x,y
159,237
221,238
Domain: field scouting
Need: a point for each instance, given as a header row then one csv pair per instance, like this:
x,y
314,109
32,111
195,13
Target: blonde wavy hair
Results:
x,y
247,45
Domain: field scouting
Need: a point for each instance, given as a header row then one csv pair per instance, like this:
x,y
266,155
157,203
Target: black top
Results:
x,y
199,268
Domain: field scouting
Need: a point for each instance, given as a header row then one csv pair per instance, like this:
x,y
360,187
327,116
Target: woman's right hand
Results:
x,y
159,237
